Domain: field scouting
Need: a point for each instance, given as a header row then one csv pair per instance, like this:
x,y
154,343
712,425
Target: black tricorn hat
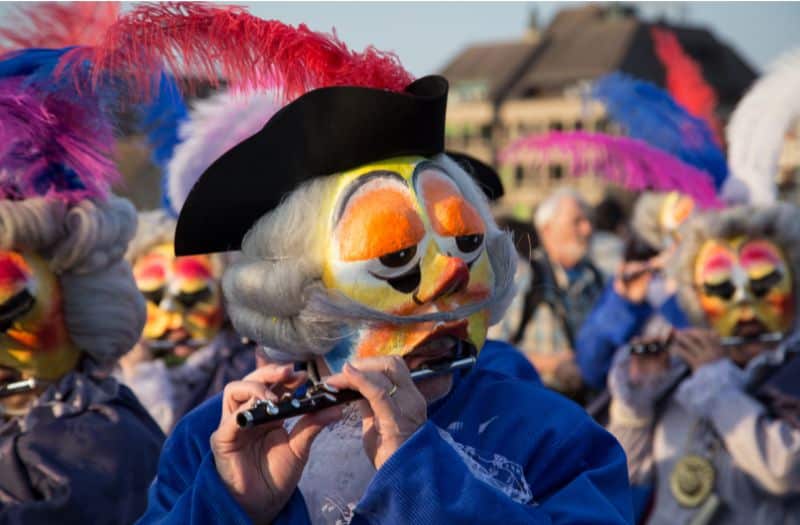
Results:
x,y
325,131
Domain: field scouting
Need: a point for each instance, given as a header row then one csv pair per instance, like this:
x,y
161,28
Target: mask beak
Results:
x,y
441,276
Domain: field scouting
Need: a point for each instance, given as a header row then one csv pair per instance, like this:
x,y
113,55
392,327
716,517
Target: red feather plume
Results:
x,y
685,80
56,24
215,43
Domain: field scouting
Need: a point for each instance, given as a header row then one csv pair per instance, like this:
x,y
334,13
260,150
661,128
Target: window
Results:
x,y
556,126
519,175
556,171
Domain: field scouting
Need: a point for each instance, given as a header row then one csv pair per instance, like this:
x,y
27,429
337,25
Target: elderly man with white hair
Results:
x,y
563,290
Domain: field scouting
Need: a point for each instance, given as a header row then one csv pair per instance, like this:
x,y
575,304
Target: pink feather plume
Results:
x,y
52,147
630,163
57,24
213,43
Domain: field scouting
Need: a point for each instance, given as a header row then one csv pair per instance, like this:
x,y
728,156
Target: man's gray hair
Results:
x,y
84,245
778,223
548,208
274,290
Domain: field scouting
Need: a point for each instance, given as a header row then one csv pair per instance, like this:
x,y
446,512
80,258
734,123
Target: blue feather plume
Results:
x,y
649,113
160,119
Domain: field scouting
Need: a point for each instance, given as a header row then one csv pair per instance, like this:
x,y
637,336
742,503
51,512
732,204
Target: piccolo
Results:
x,y
320,396
20,387
655,347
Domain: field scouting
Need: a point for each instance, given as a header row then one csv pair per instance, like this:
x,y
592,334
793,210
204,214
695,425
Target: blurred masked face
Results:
x,y
184,303
403,240
745,287
33,338
568,234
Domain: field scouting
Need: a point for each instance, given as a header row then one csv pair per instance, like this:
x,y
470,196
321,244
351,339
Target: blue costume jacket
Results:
x,y
85,452
499,448
612,323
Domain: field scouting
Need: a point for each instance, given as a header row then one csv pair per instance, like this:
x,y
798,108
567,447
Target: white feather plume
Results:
x,y
757,130
214,126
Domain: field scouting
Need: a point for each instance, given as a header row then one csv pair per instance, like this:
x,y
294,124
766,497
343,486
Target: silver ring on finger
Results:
x,y
392,391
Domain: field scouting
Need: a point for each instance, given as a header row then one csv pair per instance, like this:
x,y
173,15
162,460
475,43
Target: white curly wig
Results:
x,y
84,245
274,291
778,223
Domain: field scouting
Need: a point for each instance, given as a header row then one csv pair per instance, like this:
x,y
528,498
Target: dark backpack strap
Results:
x,y
597,275
534,296
542,281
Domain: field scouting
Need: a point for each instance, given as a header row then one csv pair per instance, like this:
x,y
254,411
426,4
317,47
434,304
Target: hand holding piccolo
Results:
x,y
322,396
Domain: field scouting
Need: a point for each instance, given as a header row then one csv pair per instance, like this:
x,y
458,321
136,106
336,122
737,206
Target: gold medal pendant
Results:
x,y
692,480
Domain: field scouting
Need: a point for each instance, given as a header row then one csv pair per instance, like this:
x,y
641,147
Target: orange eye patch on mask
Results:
x,y
405,240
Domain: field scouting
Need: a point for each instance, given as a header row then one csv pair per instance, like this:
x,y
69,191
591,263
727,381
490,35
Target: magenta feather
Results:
x,y
630,163
51,146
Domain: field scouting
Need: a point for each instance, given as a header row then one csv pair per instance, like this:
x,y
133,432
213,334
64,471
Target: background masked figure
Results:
x,y
75,446
715,426
368,252
188,350
640,301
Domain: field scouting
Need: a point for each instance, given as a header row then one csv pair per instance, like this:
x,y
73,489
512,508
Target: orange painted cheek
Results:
x,y
157,322
782,303
377,223
392,340
210,318
374,342
712,307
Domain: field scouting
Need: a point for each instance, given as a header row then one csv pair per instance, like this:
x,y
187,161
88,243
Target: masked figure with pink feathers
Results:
x,y
75,445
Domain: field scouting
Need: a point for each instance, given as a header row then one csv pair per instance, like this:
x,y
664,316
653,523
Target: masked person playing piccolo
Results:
x,y
711,421
367,252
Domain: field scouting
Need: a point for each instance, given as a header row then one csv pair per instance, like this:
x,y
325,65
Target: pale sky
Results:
x,y
426,35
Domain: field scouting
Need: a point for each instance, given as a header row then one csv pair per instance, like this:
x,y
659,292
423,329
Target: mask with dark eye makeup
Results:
x,y
745,287
405,240
184,303
33,335
762,286
723,290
